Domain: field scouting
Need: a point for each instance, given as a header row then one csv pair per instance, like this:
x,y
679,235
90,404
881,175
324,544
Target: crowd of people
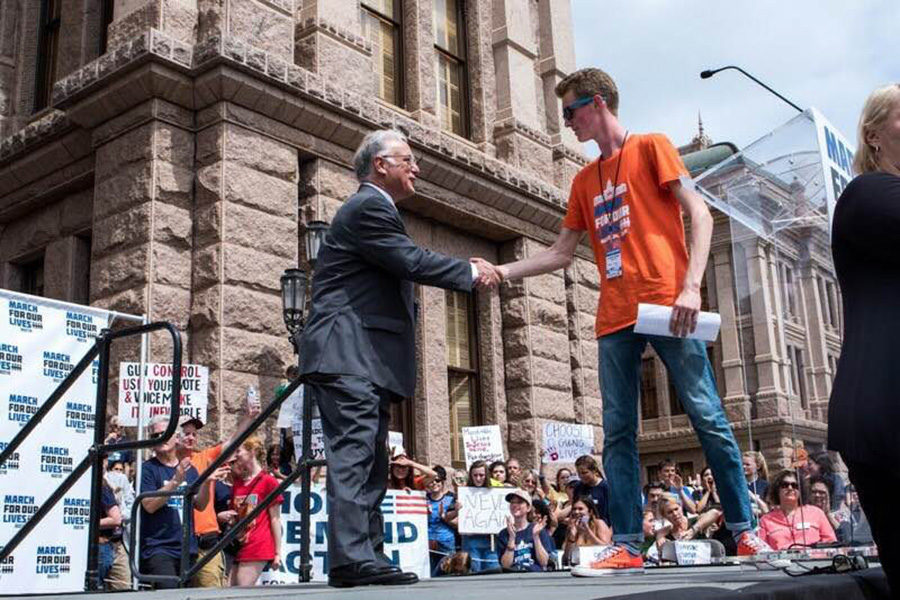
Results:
x,y
550,515
807,505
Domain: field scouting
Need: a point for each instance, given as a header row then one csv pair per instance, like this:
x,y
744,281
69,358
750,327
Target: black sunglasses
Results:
x,y
569,111
790,484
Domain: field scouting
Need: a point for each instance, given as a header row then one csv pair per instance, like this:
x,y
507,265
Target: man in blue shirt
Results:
x,y
161,526
593,485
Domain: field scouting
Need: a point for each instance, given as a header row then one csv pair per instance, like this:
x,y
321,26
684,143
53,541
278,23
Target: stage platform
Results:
x,y
697,583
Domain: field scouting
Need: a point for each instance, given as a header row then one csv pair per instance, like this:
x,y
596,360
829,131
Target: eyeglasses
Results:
x,y
157,435
790,484
568,112
408,159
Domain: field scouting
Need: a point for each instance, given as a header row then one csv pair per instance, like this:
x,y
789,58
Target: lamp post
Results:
x,y
294,284
710,72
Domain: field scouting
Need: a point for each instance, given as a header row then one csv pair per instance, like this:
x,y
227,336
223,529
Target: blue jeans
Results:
x,y
691,373
479,549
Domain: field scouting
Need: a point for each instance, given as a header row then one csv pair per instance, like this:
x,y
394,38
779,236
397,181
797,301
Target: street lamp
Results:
x,y
294,284
315,237
710,72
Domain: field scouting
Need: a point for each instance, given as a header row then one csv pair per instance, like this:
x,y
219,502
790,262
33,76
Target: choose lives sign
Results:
x,y
405,534
565,442
41,341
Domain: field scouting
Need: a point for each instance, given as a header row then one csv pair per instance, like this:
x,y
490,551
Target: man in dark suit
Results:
x,y
358,349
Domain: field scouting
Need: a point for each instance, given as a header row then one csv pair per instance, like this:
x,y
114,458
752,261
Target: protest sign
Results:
x,y
482,443
693,552
405,534
565,442
296,424
157,390
395,439
292,405
482,510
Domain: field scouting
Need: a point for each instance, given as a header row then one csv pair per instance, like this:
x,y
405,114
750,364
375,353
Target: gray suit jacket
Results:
x,y
362,320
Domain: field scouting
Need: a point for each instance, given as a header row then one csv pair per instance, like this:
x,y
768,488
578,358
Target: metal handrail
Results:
x,y
99,449
190,491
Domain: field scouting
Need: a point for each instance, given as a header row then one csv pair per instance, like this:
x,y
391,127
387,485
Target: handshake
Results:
x,y
489,275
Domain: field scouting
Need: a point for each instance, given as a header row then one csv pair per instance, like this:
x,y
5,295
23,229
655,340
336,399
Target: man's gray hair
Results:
x,y
372,145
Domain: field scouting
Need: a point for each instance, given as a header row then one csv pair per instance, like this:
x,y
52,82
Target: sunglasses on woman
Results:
x,y
790,484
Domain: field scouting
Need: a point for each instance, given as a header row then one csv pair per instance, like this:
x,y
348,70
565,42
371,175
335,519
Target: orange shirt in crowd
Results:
x,y
205,520
642,220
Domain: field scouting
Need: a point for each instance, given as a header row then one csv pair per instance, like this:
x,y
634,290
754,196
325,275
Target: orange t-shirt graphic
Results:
x,y
642,219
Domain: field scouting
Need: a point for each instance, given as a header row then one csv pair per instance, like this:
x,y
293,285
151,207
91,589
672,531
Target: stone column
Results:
x,y
177,18
329,42
246,235
770,401
9,37
556,59
582,291
819,386
736,400
536,350
520,132
420,71
142,222
482,75
432,404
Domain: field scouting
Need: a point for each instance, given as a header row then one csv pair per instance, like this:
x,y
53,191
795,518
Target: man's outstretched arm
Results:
x,y
558,256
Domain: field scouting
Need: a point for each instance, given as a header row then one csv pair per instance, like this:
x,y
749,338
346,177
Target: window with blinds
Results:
x,y
462,370
381,26
450,51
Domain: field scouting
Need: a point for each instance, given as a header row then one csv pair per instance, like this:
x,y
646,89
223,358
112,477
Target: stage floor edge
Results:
x,y
688,584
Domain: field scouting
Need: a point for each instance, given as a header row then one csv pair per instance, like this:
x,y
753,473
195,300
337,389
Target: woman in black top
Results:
x,y
864,412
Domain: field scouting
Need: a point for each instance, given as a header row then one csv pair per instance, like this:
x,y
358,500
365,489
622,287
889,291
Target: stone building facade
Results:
x,y
162,157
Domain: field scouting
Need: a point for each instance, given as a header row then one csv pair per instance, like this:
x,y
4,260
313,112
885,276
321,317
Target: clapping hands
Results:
x,y
489,275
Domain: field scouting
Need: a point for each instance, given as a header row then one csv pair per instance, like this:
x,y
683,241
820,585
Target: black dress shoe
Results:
x,y
357,574
382,561
399,578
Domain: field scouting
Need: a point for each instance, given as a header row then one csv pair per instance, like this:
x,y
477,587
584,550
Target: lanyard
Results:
x,y
608,211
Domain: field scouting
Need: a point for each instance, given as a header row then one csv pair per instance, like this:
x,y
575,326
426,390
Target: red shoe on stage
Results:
x,y
749,544
613,560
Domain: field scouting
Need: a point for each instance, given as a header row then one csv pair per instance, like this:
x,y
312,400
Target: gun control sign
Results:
x,y
565,442
157,391
41,341
405,534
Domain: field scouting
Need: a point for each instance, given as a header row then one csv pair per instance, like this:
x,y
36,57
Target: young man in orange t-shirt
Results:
x,y
630,201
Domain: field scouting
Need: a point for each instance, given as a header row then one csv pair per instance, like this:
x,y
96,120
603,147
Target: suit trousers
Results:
x,y
355,419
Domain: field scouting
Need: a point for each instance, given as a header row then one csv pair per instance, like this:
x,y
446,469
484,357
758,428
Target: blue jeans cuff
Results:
x,y
628,538
737,529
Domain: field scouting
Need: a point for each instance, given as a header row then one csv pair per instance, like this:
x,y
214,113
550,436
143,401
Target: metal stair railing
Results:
x,y
98,451
302,470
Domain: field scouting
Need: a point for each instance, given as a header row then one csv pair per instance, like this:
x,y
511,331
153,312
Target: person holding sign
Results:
x,y
480,547
631,202
524,546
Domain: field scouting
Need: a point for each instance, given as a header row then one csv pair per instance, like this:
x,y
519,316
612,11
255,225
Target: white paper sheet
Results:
x,y
653,319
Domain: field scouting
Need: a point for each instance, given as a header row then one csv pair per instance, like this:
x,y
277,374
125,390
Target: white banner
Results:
x,y
837,159
158,391
565,442
296,425
40,343
405,534
483,510
482,443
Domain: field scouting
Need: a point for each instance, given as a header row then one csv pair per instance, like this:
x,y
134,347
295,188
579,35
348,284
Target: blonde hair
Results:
x,y
666,498
255,446
762,468
590,82
874,113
